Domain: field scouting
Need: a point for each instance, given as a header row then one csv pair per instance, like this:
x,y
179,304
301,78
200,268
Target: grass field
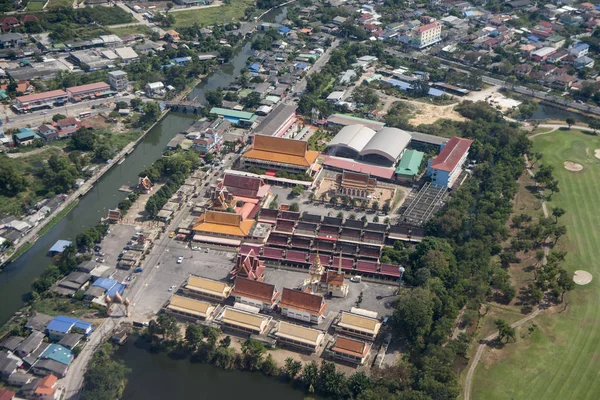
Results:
x,y
209,16
35,5
559,358
130,30
60,3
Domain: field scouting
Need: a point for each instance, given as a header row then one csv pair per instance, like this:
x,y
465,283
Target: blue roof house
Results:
x,y
60,246
254,67
181,61
25,136
58,353
284,30
61,325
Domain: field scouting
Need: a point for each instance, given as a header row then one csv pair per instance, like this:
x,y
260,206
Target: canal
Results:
x,y
16,280
181,379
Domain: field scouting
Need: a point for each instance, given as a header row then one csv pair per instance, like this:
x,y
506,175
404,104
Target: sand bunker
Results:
x,y
582,277
597,153
573,167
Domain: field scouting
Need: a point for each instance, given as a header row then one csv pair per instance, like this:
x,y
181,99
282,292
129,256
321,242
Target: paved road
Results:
x,y
301,85
74,379
70,110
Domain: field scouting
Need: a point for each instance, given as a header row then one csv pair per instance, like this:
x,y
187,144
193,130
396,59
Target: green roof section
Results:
x,y
225,112
410,163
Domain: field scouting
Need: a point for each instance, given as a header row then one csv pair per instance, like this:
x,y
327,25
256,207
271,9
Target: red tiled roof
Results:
x,y
69,121
246,186
41,96
29,18
427,27
451,154
307,302
351,346
254,289
90,86
6,394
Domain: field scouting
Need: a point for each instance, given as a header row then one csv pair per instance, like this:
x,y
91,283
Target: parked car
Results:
x,y
180,260
171,235
100,260
171,288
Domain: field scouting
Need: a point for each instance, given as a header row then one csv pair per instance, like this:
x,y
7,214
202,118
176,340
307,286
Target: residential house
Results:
x,y
67,126
9,364
579,50
48,132
25,137
29,344
12,40
583,62
118,80
62,325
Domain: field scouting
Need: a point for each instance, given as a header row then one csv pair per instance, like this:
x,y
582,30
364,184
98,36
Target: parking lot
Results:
x,y
216,264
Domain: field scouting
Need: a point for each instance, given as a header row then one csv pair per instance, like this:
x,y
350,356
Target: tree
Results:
x,y
594,124
253,351
169,326
557,212
310,374
269,366
505,330
104,378
214,97
297,190
225,342
553,188
359,383
58,117
340,215
375,205
295,207
414,313
565,283
193,335
83,139
292,367
570,121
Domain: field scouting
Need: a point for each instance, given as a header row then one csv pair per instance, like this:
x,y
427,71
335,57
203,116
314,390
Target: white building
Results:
x,y
118,80
427,35
155,89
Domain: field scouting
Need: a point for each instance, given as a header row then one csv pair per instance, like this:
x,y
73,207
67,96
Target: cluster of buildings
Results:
x,y
33,363
291,317
75,94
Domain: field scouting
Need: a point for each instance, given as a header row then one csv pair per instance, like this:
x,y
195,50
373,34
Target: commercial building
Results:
x,y
278,121
303,306
301,337
408,168
126,54
360,326
32,102
89,91
190,309
254,293
350,350
242,118
427,35
383,147
118,80
447,166
198,287
244,321
278,154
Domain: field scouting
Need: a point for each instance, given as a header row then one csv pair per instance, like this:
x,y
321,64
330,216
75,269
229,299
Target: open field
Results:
x,y
209,16
35,5
131,29
60,3
557,357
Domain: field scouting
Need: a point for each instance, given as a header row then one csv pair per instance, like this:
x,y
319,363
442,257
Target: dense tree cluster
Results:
x,y
105,378
173,170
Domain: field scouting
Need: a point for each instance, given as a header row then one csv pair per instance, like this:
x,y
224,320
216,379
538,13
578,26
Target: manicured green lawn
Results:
x,y
209,16
561,358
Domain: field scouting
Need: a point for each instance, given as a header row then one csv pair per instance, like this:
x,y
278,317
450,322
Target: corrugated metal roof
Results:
x,y
410,163
451,154
388,142
354,137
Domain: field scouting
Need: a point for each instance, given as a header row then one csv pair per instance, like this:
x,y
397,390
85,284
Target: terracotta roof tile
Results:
x,y
351,346
308,302
451,154
254,289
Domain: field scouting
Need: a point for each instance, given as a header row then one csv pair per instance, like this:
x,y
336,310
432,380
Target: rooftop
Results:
x,y
308,302
359,323
88,87
58,353
298,333
41,96
205,285
352,347
281,150
451,154
257,290
244,319
190,306
223,223
410,163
